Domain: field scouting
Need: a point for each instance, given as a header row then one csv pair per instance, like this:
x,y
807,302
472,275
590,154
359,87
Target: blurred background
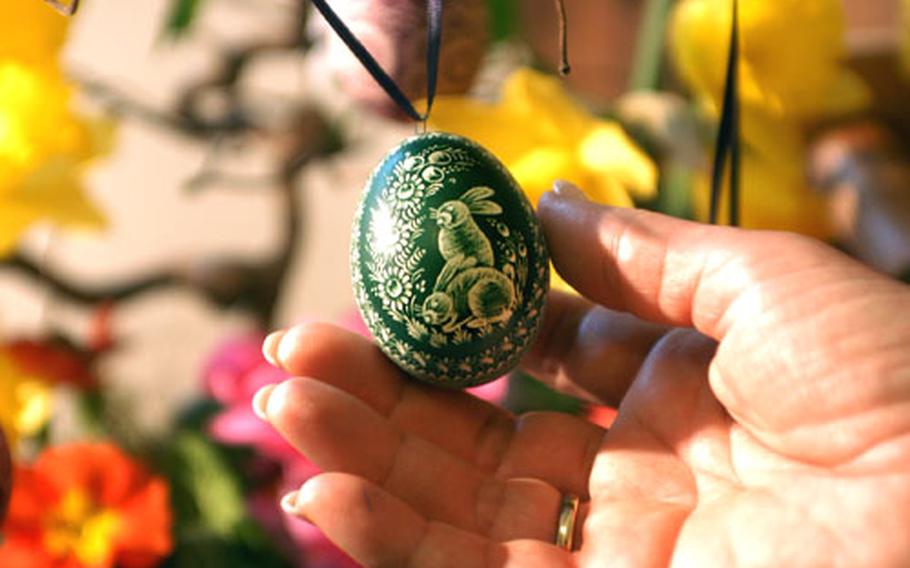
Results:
x,y
178,178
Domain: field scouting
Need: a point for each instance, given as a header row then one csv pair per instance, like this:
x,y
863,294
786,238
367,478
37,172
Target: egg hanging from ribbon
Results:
x,y
449,263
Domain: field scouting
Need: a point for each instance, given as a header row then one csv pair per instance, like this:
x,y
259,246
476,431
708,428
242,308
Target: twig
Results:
x,y
90,296
64,8
564,67
122,104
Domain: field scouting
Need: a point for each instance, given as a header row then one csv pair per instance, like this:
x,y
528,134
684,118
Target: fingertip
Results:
x,y
363,519
298,347
261,401
270,347
565,196
342,358
289,502
288,344
308,495
566,214
281,402
568,190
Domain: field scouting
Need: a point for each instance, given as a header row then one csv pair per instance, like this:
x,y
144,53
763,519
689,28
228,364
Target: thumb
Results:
x,y
812,344
672,271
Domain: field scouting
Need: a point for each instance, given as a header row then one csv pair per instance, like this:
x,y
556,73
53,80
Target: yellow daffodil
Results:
x,y
30,31
25,400
792,55
541,135
791,73
44,145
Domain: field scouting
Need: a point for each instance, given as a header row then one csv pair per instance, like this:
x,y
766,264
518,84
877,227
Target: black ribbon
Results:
x,y
434,37
728,135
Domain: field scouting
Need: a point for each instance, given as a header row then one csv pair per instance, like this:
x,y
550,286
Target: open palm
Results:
x,y
764,419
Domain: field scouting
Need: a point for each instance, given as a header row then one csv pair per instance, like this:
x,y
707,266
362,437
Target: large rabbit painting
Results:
x,y
468,290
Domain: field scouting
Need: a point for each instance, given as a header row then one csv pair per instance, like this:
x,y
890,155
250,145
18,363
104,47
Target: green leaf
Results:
x,y
503,19
181,17
204,549
213,526
93,409
197,414
206,491
527,394
649,52
675,187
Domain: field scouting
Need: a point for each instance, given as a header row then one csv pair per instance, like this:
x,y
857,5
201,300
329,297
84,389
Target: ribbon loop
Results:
x,y
728,134
434,39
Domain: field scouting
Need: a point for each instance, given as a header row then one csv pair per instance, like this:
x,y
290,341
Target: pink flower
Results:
x,y
603,416
319,552
494,391
351,321
233,375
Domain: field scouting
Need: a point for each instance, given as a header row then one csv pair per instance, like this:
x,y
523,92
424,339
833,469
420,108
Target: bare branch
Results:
x,y
84,295
64,8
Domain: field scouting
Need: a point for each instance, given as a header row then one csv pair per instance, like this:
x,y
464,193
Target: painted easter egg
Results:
x,y
448,261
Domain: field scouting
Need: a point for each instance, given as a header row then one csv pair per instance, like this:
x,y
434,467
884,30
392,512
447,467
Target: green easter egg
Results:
x,y
449,263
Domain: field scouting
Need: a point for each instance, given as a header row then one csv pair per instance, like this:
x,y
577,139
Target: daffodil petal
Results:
x,y
53,192
772,198
558,283
536,171
35,406
608,191
25,402
543,99
491,125
44,147
607,151
848,93
541,134
15,221
31,31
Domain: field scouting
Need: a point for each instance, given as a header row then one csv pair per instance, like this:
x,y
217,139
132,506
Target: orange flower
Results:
x,y
86,505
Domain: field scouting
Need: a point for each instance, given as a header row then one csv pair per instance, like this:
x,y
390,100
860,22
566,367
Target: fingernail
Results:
x,y
270,347
261,401
568,190
289,502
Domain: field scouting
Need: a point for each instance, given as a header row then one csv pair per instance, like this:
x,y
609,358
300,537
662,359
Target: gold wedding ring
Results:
x,y
565,526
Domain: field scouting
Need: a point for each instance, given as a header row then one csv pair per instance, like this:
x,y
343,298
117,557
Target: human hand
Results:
x,y
764,389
